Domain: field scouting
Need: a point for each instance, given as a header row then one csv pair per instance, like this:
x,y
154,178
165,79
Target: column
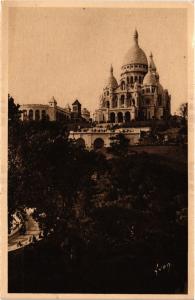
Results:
x,y
116,118
111,106
108,117
124,116
125,101
118,101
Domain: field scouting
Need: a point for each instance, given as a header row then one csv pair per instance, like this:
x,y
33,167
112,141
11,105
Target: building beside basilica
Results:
x,y
138,95
53,112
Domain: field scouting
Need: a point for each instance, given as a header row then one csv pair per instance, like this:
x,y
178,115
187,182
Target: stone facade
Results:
x,y
94,138
53,112
139,94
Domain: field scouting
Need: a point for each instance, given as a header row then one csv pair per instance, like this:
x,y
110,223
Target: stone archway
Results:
x,y
127,116
30,115
37,115
112,117
98,143
120,117
80,143
25,115
43,115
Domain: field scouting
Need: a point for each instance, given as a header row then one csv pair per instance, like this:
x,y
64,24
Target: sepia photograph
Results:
x,y
98,107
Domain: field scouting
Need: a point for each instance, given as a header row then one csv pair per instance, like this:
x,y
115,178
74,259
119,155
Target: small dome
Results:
x,y
135,55
111,82
150,78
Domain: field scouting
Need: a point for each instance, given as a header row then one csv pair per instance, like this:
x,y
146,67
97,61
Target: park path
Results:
x,y
32,229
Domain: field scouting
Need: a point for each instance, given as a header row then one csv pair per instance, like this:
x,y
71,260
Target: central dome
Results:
x,y
135,55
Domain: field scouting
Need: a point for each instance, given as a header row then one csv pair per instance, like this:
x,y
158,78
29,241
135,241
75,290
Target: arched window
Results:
x,y
140,79
122,100
160,101
107,104
127,116
114,102
131,79
112,117
98,143
147,101
128,101
43,115
37,115
80,143
120,117
30,114
135,78
122,85
127,80
107,93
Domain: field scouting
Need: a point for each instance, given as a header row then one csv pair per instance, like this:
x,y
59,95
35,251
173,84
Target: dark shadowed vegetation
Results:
x,y
116,225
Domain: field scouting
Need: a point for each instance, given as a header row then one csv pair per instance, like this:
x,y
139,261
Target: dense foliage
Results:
x,y
110,218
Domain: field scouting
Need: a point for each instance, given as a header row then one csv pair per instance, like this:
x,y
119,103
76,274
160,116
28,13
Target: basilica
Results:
x,y
138,95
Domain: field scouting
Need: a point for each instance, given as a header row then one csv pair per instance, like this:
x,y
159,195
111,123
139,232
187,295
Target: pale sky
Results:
x,y
67,52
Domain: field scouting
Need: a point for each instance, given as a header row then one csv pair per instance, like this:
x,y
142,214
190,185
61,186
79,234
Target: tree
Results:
x,y
50,173
183,109
14,113
119,145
